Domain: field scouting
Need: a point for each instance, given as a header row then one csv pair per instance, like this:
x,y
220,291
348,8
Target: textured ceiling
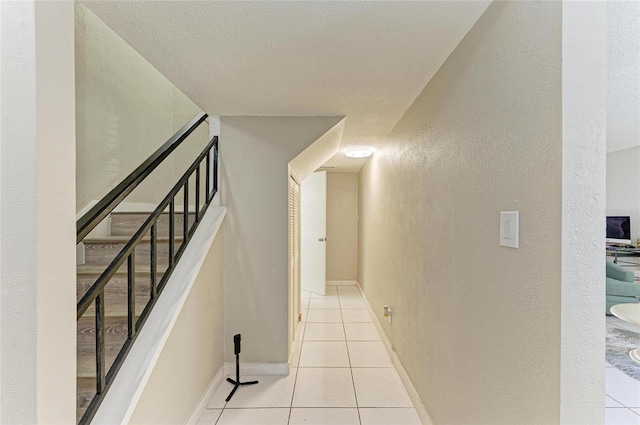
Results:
x,y
363,60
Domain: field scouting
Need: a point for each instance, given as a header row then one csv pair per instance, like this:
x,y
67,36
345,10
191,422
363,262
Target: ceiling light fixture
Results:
x,y
358,151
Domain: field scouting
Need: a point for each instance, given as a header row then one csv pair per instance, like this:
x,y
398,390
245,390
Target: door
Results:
x,y
294,256
313,226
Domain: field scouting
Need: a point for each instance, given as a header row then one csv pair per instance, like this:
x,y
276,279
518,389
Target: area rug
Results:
x,y
619,343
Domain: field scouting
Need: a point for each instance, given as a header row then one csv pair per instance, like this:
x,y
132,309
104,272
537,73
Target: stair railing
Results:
x,y
96,293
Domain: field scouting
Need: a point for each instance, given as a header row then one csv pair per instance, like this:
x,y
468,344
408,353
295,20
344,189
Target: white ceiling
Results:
x,y
363,60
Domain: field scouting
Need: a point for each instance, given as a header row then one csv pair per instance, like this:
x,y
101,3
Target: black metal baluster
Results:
x,y
186,213
215,167
198,192
153,261
208,179
100,357
131,293
172,213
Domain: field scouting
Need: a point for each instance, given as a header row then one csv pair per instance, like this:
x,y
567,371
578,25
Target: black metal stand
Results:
x,y
237,383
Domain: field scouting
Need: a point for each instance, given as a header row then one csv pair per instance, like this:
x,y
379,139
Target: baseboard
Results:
x,y
199,409
342,282
413,394
257,369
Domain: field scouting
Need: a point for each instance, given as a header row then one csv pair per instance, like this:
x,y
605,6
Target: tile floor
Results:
x,y
622,399
342,374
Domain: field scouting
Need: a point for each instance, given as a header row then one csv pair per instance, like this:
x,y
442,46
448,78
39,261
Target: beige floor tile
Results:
x,y
324,332
368,354
324,387
254,417
380,387
324,316
361,316
324,416
324,304
331,292
361,332
387,416
352,304
324,354
209,417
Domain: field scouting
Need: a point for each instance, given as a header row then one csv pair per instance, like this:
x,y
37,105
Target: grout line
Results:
x,y
355,394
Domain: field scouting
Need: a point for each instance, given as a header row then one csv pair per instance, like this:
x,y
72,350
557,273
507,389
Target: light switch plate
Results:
x,y
509,228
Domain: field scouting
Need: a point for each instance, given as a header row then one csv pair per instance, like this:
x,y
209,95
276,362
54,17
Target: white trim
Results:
x,y
413,394
281,369
80,257
86,209
206,397
342,282
126,390
132,207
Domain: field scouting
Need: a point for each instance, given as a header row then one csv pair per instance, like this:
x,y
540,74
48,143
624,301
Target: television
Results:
x,y
619,229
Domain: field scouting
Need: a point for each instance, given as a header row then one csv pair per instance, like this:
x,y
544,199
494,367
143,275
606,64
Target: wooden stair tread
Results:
x,y
125,239
97,269
178,211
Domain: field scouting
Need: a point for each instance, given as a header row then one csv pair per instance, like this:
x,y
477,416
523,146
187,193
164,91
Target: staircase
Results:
x,y
99,252
125,272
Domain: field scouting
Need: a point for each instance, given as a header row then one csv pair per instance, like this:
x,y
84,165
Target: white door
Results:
x,y
313,226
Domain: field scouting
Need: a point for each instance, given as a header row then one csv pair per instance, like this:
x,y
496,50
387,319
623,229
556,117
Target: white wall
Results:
x,y
342,226
584,131
256,152
623,88
623,186
37,245
474,321
126,109
193,353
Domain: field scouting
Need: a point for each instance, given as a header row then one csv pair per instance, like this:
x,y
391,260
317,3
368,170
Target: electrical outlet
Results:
x,y
387,313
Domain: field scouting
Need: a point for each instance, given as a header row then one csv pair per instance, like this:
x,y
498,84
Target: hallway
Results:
x,y
342,374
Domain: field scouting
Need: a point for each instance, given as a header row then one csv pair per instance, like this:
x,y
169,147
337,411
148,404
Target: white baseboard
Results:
x,y
257,369
413,394
206,396
342,282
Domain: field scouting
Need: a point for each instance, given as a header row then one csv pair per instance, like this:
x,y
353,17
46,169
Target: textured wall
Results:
x,y
342,226
476,325
623,186
125,110
256,152
623,88
37,243
193,353
584,122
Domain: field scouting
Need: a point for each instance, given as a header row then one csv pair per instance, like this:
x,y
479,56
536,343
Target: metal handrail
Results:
x,y
104,207
118,261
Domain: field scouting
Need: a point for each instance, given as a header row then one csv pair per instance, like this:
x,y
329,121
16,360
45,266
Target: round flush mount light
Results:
x,y
358,151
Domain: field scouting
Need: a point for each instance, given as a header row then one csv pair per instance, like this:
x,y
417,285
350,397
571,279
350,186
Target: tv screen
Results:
x,y
619,228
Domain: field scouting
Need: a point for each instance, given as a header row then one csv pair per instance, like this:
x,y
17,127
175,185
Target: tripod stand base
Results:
x,y
236,384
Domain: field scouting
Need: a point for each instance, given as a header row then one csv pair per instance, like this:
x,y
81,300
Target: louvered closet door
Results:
x,y
294,253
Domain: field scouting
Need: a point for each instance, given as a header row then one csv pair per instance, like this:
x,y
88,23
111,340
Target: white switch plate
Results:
x,y
509,228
